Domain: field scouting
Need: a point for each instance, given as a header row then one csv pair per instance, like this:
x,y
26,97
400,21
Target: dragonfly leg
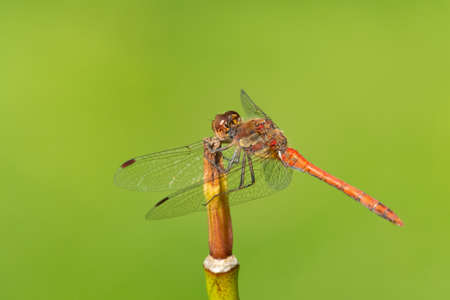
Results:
x,y
212,150
231,162
242,184
244,161
234,159
217,166
252,175
252,172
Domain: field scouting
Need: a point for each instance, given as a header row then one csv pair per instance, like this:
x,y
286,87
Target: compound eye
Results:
x,y
236,120
233,117
223,125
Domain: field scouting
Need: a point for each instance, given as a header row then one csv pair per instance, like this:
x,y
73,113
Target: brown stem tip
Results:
x,y
215,187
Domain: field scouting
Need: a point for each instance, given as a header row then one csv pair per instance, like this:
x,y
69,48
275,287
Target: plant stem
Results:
x,y
221,268
223,286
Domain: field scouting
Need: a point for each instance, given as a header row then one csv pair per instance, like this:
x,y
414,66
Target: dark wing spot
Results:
x,y
128,163
161,201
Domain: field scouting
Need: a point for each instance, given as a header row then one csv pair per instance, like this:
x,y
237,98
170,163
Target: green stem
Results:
x,y
222,286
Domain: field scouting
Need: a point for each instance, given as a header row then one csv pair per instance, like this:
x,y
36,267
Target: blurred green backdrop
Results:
x,y
360,88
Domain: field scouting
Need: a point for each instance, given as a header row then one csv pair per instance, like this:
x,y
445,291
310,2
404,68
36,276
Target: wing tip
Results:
x,y
148,215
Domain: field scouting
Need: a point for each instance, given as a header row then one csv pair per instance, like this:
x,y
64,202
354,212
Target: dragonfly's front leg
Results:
x,y
217,166
242,184
212,150
213,162
234,159
231,161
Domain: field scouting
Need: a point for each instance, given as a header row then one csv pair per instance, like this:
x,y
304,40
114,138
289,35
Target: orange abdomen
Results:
x,y
295,160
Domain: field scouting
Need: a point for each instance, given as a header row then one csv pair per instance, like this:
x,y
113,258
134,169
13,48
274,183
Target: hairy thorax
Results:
x,y
260,137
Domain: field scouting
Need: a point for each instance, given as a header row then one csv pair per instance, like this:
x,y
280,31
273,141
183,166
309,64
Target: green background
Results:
x,y
360,88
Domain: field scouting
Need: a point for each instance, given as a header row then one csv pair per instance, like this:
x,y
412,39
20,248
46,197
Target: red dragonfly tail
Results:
x,y
295,160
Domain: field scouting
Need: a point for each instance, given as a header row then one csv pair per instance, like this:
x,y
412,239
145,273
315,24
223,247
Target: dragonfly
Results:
x,y
257,163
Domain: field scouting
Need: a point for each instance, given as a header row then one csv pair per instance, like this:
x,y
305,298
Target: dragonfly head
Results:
x,y
225,125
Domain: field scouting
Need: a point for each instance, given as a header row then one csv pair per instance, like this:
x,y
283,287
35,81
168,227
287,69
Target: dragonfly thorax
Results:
x,y
261,137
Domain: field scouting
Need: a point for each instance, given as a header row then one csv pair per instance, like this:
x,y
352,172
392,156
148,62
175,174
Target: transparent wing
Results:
x,y
270,176
166,170
179,203
276,174
251,109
